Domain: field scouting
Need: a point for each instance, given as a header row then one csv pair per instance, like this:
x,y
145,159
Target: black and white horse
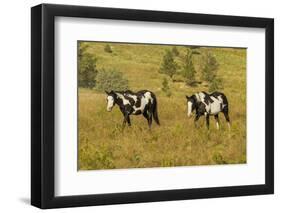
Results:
x,y
142,102
208,104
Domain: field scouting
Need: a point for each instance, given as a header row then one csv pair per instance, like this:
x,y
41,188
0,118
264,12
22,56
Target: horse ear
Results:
x,y
187,97
106,92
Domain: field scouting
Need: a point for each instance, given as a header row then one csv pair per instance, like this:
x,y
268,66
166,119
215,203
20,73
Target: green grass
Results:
x,y
104,144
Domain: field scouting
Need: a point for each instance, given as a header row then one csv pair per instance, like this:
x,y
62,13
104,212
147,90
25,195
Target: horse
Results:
x,y
142,102
208,105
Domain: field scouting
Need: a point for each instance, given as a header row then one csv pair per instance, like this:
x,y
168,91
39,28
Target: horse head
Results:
x,y
191,104
111,100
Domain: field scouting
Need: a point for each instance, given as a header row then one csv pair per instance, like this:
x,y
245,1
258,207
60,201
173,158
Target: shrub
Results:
x,y
215,84
107,48
175,51
168,65
218,158
111,80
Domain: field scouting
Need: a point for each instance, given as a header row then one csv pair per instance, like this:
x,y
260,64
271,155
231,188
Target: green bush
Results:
x,y
111,80
107,48
215,84
218,158
175,51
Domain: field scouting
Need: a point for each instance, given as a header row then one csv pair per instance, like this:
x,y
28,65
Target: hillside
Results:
x,y
104,144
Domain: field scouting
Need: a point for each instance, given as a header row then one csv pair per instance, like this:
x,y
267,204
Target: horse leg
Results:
x,y
147,118
124,119
150,119
128,120
196,119
208,120
225,112
217,121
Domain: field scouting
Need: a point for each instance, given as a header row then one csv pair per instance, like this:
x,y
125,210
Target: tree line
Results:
x,y
175,65
208,68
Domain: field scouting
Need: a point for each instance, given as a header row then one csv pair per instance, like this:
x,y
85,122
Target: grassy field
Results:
x,y
104,144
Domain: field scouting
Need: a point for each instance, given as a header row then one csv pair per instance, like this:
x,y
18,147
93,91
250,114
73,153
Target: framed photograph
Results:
x,y
136,106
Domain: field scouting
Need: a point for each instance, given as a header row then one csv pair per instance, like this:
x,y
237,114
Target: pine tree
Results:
x,y
87,70
210,67
168,66
210,70
189,71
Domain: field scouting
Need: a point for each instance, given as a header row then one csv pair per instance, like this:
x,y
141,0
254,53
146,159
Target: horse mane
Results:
x,y
123,92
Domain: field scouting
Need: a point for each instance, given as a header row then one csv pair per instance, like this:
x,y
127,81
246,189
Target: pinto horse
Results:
x,y
208,104
142,102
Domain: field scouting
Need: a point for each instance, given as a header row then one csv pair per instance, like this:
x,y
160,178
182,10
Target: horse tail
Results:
x,y
155,111
225,101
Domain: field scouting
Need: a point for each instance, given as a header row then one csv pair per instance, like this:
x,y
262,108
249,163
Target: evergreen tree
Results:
x,y
87,70
209,71
210,67
188,70
168,66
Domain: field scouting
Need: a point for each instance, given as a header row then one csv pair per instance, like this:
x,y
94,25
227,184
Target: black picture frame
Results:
x,y
43,105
